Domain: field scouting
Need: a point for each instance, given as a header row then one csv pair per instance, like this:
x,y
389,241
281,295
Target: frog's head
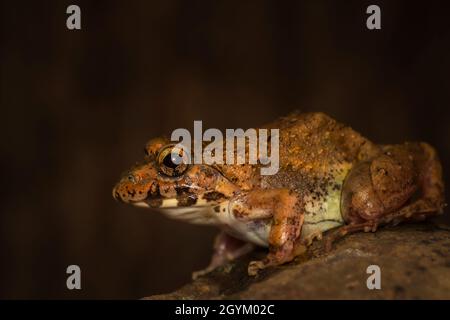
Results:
x,y
172,185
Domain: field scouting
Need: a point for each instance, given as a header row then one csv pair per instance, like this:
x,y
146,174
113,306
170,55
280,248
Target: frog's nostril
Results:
x,y
119,196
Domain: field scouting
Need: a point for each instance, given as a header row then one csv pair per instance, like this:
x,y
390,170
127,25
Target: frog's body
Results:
x,y
330,176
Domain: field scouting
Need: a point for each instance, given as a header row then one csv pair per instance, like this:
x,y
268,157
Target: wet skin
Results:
x,y
330,177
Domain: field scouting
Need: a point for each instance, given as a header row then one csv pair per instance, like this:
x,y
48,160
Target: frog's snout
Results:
x,y
116,194
127,191
120,194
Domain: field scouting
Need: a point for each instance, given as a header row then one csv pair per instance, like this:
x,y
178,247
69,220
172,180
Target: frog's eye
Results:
x,y
172,161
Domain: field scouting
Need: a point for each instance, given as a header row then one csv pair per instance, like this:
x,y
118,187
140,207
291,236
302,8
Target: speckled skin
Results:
x,y
329,177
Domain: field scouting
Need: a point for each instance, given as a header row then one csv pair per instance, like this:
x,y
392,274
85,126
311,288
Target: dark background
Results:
x,y
78,106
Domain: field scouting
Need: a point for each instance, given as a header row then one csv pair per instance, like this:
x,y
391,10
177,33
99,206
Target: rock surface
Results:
x,y
414,262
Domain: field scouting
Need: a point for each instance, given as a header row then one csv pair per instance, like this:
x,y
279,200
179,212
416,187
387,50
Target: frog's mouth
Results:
x,y
195,210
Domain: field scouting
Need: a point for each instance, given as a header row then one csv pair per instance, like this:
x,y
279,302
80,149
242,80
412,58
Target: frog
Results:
x,y
331,181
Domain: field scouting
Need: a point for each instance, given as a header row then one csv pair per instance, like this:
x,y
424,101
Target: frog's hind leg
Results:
x,y
416,211
431,196
404,183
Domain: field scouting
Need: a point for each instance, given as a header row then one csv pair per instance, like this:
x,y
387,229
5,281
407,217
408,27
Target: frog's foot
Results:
x,y
226,248
277,257
199,273
368,226
416,211
308,240
255,266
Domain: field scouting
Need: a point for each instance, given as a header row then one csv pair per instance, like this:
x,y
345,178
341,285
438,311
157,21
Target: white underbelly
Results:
x,y
322,216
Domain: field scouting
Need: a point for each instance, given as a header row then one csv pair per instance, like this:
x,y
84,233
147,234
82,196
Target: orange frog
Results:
x,y
330,177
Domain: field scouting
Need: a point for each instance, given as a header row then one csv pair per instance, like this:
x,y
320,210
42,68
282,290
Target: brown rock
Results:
x,y
414,262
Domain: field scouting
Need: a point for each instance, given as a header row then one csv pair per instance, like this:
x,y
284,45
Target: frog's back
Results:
x,y
316,152
316,142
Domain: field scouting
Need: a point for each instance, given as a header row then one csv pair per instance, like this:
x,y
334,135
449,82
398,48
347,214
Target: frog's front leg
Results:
x,y
284,208
226,248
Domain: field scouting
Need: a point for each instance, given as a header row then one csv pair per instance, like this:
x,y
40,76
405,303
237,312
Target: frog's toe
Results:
x,y
199,273
255,266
